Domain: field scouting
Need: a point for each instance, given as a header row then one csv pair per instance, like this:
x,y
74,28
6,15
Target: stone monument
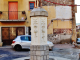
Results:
x,y
39,50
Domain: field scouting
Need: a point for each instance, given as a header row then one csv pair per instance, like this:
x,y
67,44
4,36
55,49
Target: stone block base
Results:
x,y
39,52
1,43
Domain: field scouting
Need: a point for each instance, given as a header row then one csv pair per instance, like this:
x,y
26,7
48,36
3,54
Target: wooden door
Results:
x,y
13,10
12,33
5,35
20,31
8,35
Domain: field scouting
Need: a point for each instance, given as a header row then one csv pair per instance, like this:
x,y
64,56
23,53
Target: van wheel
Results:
x,y
17,48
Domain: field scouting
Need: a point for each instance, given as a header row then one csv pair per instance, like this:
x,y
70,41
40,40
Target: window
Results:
x,y
25,38
31,5
29,38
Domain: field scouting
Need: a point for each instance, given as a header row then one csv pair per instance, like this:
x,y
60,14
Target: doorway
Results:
x,y
10,33
13,10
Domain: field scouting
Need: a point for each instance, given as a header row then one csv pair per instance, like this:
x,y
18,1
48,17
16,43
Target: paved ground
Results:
x,y
7,53
63,46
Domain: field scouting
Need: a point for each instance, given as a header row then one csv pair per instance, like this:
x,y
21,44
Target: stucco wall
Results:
x,y
59,38
58,24
69,2
23,5
51,15
63,12
62,24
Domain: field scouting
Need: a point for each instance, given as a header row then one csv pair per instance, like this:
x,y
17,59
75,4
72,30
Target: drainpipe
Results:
x,y
73,24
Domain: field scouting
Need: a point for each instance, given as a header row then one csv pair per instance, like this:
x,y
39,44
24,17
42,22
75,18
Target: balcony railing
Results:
x,y
13,16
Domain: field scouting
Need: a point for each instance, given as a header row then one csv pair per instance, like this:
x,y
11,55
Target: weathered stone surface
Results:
x,y
38,58
32,52
38,12
59,38
39,35
40,53
67,2
31,58
35,57
31,47
45,48
41,57
45,57
40,47
35,47
46,53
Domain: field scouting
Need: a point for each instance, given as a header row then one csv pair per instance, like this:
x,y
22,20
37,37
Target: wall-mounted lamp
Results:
x,y
23,12
51,20
0,12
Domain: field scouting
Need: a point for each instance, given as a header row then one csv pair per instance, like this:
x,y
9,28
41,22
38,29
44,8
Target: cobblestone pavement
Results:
x,y
9,53
66,50
63,46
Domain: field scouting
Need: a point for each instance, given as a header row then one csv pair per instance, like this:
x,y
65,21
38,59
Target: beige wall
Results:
x,y
51,15
57,24
23,5
62,24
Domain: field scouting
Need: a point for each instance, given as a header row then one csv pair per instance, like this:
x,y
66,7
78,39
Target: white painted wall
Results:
x,y
63,12
63,37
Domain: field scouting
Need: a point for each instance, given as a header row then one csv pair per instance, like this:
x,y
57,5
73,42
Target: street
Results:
x,y
9,53
59,50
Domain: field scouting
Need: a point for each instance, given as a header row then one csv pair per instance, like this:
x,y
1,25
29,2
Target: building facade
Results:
x,y
15,19
62,29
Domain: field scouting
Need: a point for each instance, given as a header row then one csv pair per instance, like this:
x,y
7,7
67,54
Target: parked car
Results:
x,y
24,41
78,40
